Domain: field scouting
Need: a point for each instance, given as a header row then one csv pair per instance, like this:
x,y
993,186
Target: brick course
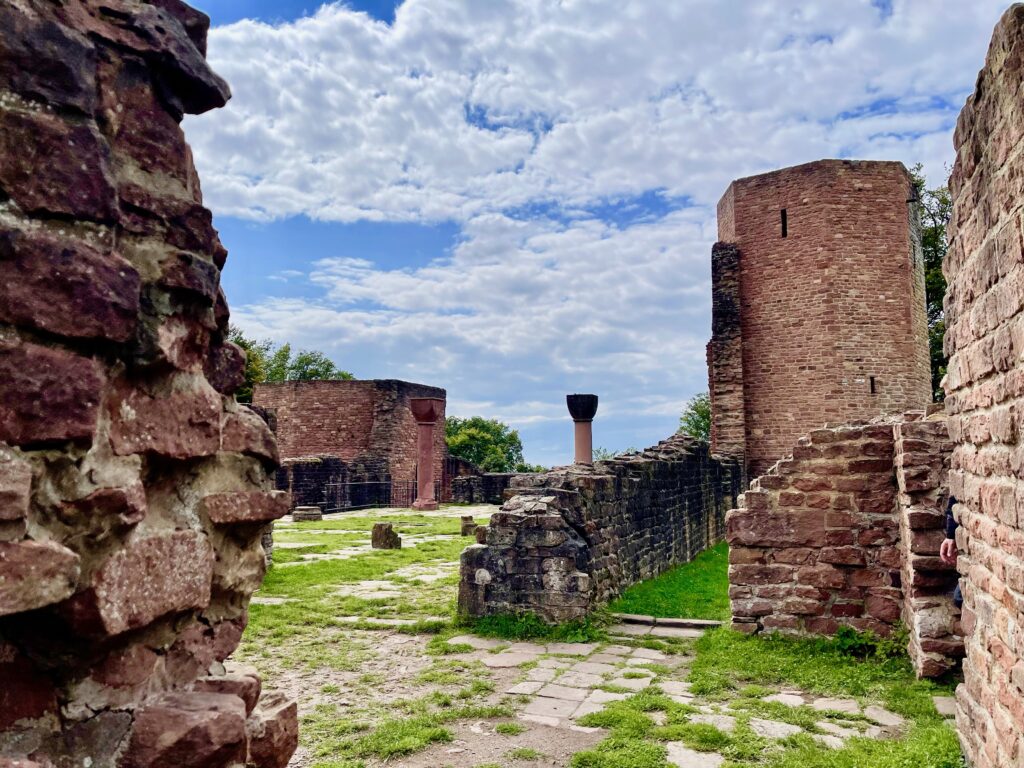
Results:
x,y
985,397
802,323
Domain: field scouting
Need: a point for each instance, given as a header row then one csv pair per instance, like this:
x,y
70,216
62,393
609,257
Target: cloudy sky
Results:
x,y
514,199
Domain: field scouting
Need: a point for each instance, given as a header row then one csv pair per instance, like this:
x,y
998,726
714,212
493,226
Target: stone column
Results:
x,y
582,409
425,410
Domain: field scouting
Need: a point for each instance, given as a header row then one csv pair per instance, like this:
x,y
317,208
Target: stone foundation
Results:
x,y
133,489
572,539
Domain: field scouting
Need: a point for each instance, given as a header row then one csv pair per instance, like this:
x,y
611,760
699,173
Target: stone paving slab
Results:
x,y
547,707
837,730
617,650
772,729
553,663
604,697
572,649
507,659
587,708
605,658
527,687
848,706
945,705
682,756
527,648
675,688
789,699
832,742
580,680
883,716
648,653
542,674
632,683
592,668
684,632
564,692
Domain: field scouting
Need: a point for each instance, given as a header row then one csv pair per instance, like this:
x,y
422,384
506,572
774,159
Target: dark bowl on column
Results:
x,y
582,407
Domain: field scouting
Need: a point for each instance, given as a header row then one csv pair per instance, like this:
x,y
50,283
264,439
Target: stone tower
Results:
x,y
818,305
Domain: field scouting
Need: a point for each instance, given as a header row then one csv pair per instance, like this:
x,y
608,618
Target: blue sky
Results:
x,y
514,199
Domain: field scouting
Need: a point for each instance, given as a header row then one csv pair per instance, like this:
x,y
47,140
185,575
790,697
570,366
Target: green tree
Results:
x,y
488,443
934,207
264,362
696,418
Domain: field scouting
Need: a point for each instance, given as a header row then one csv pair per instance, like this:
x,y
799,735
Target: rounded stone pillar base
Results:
x,y
424,504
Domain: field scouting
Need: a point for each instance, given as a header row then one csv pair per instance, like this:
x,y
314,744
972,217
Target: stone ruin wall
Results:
x,y
846,531
574,538
788,355
985,397
486,488
133,489
352,420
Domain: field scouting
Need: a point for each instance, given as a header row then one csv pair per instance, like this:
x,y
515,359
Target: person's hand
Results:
x,y
947,552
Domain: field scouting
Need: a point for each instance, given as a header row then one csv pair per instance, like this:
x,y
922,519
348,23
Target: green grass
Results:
x,y
528,626
696,590
523,753
509,729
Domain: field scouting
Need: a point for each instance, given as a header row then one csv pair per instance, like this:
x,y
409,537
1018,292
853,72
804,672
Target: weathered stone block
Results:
x,y
47,395
51,166
180,420
15,485
383,536
124,595
273,733
34,574
246,507
26,694
205,730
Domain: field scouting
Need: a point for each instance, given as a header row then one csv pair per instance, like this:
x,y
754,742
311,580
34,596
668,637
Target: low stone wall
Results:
x,y
847,531
814,543
921,462
488,488
573,538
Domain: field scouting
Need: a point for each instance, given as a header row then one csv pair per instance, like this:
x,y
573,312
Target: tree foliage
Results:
x,y
604,454
266,363
487,443
934,207
696,418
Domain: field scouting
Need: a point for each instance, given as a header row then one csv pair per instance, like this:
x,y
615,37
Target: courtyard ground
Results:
x,y
365,640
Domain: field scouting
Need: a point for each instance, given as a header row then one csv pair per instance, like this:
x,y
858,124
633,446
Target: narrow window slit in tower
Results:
x,y
785,224
871,379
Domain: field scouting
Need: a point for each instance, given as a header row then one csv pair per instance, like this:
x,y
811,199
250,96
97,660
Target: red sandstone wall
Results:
x,y
352,419
814,543
985,398
840,299
133,489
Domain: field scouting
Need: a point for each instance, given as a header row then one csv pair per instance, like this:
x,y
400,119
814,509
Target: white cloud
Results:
x,y
572,104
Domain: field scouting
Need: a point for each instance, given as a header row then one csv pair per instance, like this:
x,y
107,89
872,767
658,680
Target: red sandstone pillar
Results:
x,y
582,409
425,410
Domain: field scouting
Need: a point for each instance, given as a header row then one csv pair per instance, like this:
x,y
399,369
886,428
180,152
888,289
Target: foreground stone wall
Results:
x,y
813,544
133,489
572,539
985,398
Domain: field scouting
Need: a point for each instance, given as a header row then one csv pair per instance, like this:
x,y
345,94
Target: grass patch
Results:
x,y
695,590
729,661
509,729
622,752
926,746
523,753
528,626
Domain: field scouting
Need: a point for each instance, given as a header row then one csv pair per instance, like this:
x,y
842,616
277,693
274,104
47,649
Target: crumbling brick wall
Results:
x,y
574,538
985,396
356,421
486,488
921,461
814,543
846,341
133,489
